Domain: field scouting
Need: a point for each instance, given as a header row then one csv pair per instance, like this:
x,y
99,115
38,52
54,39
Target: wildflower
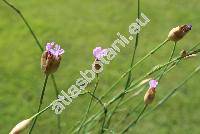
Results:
x,y
51,58
98,53
179,32
150,94
21,126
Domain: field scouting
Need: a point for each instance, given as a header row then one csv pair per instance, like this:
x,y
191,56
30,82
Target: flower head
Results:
x,y
51,58
179,32
150,94
54,49
98,53
153,83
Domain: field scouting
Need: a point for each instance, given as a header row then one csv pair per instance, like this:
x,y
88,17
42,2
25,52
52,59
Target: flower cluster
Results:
x,y
150,94
51,58
98,53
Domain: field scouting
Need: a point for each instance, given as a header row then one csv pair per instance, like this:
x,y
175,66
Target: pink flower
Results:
x,y
98,52
150,94
51,57
153,83
54,49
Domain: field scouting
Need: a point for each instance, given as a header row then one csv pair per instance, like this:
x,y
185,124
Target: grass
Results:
x,y
79,26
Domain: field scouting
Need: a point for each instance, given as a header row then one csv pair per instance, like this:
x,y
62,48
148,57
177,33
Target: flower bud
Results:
x,y
179,32
51,58
150,94
21,126
98,53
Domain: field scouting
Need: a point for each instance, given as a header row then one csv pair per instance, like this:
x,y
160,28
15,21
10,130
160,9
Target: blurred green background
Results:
x,y
79,26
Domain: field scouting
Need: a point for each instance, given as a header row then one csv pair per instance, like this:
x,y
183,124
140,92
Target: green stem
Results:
x,y
42,111
129,113
135,47
89,106
104,108
170,58
41,101
123,75
57,93
110,102
129,73
25,22
137,63
37,42
135,121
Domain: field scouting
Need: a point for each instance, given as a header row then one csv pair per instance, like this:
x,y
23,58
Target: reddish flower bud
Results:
x,y
150,94
179,32
51,58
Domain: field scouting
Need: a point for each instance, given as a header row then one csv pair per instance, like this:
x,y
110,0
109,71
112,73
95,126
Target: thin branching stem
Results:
x,y
135,121
135,47
170,58
25,22
137,63
110,102
40,104
129,113
122,76
57,93
129,73
89,105
42,111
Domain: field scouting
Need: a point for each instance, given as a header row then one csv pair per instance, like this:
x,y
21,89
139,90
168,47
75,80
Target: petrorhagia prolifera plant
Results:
x,y
50,65
50,61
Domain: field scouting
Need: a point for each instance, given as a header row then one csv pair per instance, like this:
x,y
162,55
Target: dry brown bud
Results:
x,y
51,58
179,32
49,63
149,95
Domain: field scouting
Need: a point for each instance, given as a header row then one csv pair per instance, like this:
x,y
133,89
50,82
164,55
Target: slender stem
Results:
x,y
113,112
135,46
129,73
89,106
25,22
137,63
57,93
104,120
40,104
170,58
38,44
42,111
110,102
135,121
104,108
129,113
124,74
